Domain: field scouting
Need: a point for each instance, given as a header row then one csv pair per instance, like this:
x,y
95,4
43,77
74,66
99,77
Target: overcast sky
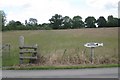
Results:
x,y
119,9
43,10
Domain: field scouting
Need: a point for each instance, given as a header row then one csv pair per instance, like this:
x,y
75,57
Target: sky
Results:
x,y
43,10
119,9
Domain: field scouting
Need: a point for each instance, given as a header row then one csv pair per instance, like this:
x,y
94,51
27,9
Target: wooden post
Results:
x,y
92,55
21,41
21,44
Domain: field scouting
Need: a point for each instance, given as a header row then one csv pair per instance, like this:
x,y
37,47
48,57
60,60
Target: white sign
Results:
x,y
93,44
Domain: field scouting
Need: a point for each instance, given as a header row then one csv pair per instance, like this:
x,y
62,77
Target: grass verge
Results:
x,y
61,67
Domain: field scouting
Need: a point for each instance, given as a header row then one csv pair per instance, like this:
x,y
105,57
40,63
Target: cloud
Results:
x,y
43,10
13,2
102,4
119,9
106,7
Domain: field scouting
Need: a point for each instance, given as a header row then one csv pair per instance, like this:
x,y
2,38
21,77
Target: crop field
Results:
x,y
64,47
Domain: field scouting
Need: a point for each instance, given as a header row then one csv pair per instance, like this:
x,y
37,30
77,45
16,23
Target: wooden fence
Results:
x,y
27,52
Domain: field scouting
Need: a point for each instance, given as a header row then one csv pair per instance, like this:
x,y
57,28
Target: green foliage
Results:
x,y
30,67
15,25
77,22
56,21
118,22
90,22
2,20
112,22
67,22
59,22
101,22
45,26
32,22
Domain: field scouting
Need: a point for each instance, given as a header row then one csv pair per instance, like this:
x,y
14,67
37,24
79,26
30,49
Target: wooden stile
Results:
x,y
25,49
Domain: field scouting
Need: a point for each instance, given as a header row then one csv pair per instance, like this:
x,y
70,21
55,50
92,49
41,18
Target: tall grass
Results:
x,y
65,47
74,57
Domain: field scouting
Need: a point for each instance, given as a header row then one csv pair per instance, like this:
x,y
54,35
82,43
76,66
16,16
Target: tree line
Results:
x,y
59,22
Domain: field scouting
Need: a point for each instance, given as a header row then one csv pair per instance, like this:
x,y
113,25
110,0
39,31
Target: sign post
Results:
x,y
92,55
92,45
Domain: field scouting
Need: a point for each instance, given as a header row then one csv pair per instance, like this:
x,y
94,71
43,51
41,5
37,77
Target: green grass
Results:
x,y
60,67
53,43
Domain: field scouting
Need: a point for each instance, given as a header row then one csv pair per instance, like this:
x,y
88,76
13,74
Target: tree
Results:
x,y
115,22
11,25
17,23
33,22
67,22
112,22
56,21
26,22
101,22
90,22
14,25
45,26
3,20
118,22
77,22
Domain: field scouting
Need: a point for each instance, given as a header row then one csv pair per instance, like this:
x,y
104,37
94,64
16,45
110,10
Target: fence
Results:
x,y
6,48
28,53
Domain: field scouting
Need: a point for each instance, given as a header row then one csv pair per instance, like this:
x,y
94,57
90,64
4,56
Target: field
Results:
x,y
64,47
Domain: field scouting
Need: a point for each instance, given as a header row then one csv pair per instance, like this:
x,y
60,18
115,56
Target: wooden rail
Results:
x,y
32,50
